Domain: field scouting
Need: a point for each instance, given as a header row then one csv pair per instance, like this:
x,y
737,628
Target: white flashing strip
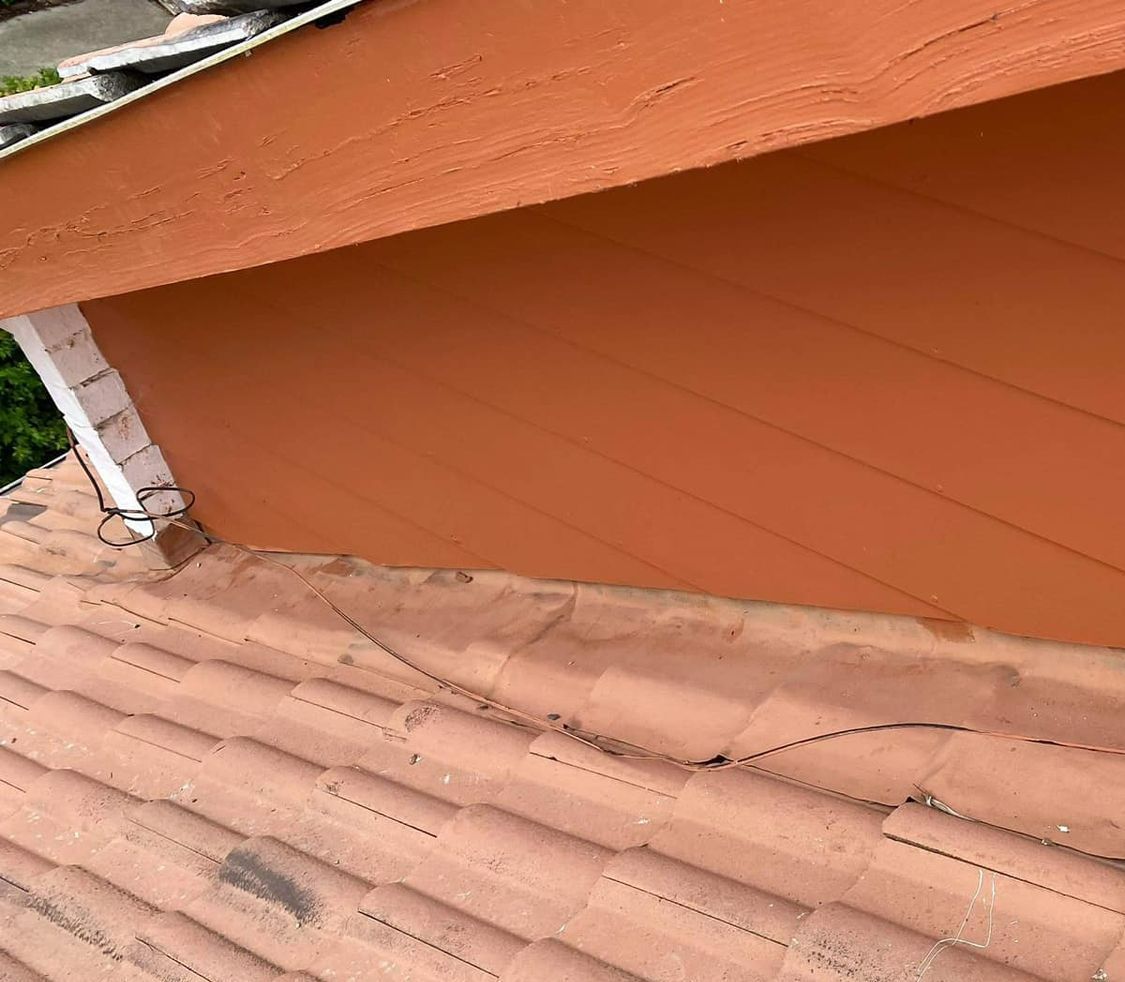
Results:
x,y
235,51
93,401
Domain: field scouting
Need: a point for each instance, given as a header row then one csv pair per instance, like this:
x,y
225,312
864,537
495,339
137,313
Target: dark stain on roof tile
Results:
x,y
172,803
245,870
77,921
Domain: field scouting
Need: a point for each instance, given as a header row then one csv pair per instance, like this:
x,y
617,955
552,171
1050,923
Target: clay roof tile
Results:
x,y
195,782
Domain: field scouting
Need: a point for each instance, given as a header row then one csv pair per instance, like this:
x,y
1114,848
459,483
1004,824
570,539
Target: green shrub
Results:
x,y
10,84
31,429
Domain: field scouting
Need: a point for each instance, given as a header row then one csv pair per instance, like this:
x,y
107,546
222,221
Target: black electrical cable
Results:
x,y
595,741
142,514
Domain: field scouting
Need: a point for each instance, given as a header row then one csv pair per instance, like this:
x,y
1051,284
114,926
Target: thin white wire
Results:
x,y
940,946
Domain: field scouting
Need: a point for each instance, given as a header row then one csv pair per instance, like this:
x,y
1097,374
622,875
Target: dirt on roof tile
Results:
x,y
211,774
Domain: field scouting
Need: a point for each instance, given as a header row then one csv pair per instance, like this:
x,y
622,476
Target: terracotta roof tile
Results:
x,y
277,902
14,596
1043,791
1033,929
579,794
552,959
795,843
210,775
654,937
372,950
1062,870
840,943
173,946
414,915
22,628
1114,966
353,822
390,799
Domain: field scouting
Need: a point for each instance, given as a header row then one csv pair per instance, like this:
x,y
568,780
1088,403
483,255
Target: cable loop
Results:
x,y
142,514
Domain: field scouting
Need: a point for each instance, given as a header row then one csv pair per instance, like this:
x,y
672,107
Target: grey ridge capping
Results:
x,y
14,132
135,71
66,98
179,50
233,6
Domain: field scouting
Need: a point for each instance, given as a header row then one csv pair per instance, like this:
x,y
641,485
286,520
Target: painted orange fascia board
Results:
x,y
412,114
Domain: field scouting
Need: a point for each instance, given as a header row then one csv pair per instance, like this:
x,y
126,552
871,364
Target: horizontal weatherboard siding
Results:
x,y
814,377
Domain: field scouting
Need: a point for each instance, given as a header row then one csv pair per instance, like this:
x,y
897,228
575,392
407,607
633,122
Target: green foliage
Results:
x,y
10,84
31,430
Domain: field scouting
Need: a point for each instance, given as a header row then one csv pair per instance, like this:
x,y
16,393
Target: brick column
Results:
x,y
96,406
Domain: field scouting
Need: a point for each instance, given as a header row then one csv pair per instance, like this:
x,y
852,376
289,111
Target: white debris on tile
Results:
x,y
176,48
66,98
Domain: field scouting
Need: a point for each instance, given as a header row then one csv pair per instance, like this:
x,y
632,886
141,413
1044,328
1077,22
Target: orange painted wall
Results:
x,y
885,372
410,114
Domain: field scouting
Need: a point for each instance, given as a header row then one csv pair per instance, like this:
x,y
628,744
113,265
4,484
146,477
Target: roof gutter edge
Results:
x,y
236,50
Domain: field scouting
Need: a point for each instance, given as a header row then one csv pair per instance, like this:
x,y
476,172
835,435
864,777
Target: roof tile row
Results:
x,y
207,774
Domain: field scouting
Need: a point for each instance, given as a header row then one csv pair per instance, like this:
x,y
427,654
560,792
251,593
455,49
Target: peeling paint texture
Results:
x,y
407,115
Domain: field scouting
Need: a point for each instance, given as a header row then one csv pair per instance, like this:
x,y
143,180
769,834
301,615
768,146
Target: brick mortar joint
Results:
x,y
129,411
106,372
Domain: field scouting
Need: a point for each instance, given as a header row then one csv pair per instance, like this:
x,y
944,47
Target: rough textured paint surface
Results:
x,y
413,114
820,377
212,776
